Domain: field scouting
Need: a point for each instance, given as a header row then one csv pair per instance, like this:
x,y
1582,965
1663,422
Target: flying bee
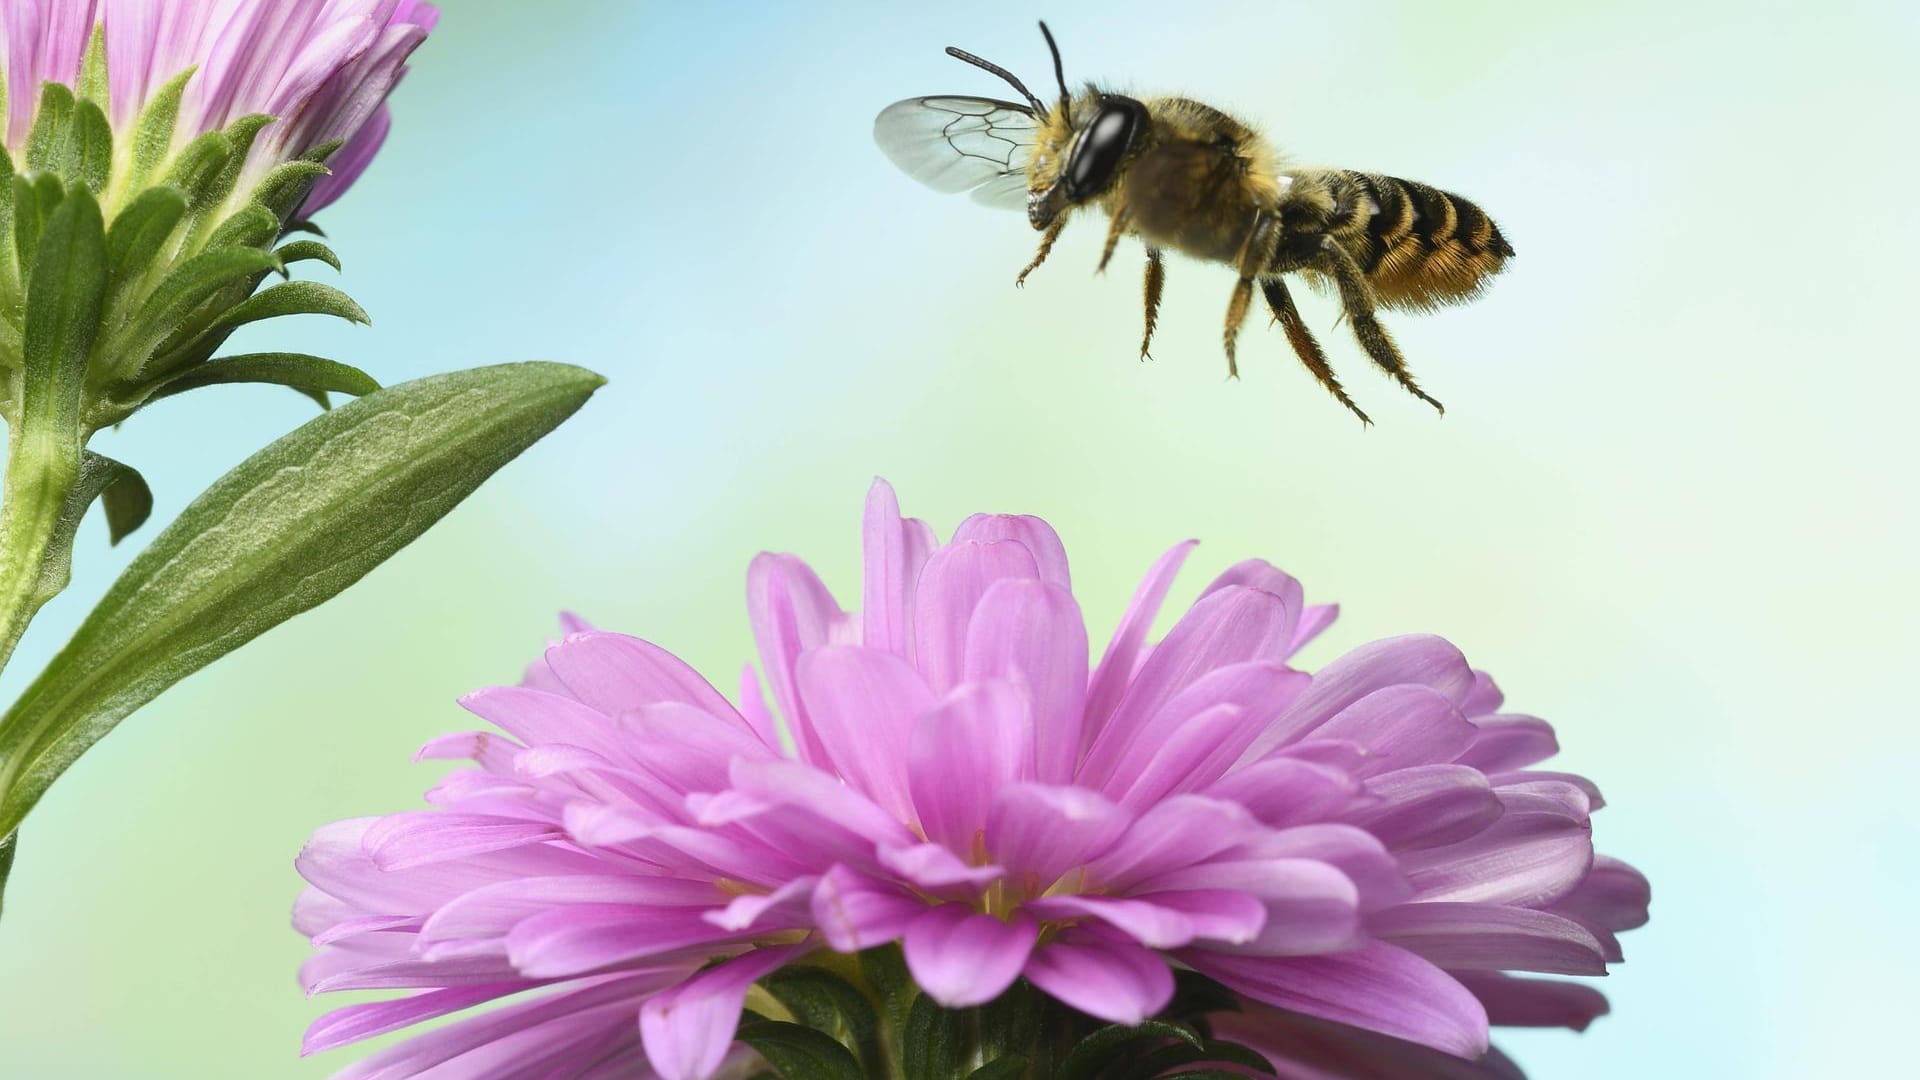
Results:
x,y
1184,176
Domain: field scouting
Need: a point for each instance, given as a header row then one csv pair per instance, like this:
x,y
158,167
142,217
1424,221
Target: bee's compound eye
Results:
x,y
1103,146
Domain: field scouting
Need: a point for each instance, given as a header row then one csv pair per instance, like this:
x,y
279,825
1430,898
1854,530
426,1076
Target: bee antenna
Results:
x,y
988,65
1059,73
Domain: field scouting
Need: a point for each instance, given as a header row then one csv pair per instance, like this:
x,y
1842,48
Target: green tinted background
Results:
x,y
1670,506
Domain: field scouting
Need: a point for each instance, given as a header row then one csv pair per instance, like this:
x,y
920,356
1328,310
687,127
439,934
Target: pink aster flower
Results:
x,y
1361,854
321,69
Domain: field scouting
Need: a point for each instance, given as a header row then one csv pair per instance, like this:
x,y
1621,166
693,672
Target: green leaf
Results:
x,y
65,290
239,135
153,130
9,847
800,1053
303,250
48,143
123,494
1158,1062
826,1002
138,234
1105,1046
885,969
288,529
934,1042
90,155
310,374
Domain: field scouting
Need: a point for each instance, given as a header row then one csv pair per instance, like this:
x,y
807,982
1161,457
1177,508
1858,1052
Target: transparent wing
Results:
x,y
955,144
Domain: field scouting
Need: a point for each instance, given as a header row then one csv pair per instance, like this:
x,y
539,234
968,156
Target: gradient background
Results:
x,y
1671,505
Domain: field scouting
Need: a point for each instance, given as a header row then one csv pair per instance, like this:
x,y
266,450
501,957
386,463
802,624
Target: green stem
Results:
x,y
43,466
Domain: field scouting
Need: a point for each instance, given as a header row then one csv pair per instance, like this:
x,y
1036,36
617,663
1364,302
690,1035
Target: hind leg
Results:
x,y
1156,281
1356,300
1287,314
1256,252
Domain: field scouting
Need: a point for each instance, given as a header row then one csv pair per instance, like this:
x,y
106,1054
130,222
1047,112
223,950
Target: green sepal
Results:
x,y
1161,1061
1105,1046
180,294
302,225
90,157
885,969
65,291
934,1041
93,69
800,1053
197,170
293,298
252,226
310,375
137,236
49,138
153,130
302,250
9,845
824,1001
288,529
9,272
1006,1068
34,200
282,188
239,135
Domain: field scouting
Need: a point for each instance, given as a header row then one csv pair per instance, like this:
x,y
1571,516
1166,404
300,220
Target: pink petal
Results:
x,y
934,869
895,556
614,673
1263,575
689,749
1403,726
1038,537
494,910
1102,975
1230,627
1377,986
1180,832
861,705
536,717
1612,895
1515,1002
1528,859
1310,906
1150,924
688,1030
787,907
961,958
1314,620
955,579
1427,806
802,787
356,1022
416,838
578,938
753,708
1040,832
1484,699
1490,937
791,612
963,751
1414,660
1508,741
1282,791
1031,632
854,912
335,861
1354,852
1110,679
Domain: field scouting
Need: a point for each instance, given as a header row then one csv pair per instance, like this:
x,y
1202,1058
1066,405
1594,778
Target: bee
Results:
x,y
1184,176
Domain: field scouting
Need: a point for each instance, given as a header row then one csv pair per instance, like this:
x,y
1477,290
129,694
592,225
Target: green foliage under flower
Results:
x,y
862,1018
125,265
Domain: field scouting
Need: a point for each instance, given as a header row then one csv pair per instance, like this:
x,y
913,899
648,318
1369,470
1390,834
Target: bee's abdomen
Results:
x,y
1420,246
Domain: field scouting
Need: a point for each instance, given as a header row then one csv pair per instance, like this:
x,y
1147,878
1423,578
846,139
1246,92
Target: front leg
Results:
x,y
1156,281
1046,246
1116,228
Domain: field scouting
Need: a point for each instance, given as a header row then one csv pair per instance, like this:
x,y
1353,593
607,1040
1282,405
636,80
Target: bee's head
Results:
x,y
1100,146
1080,156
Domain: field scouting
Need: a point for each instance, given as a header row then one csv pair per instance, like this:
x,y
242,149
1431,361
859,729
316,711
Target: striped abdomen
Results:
x,y
1419,246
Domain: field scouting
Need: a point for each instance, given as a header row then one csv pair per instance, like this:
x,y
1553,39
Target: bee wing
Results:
x,y
953,143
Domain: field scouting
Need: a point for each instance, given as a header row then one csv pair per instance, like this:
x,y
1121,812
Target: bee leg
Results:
x,y
1287,314
1116,228
1356,298
1156,280
1255,252
1046,246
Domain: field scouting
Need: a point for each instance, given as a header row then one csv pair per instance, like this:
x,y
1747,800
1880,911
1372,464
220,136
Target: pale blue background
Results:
x,y
1671,506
